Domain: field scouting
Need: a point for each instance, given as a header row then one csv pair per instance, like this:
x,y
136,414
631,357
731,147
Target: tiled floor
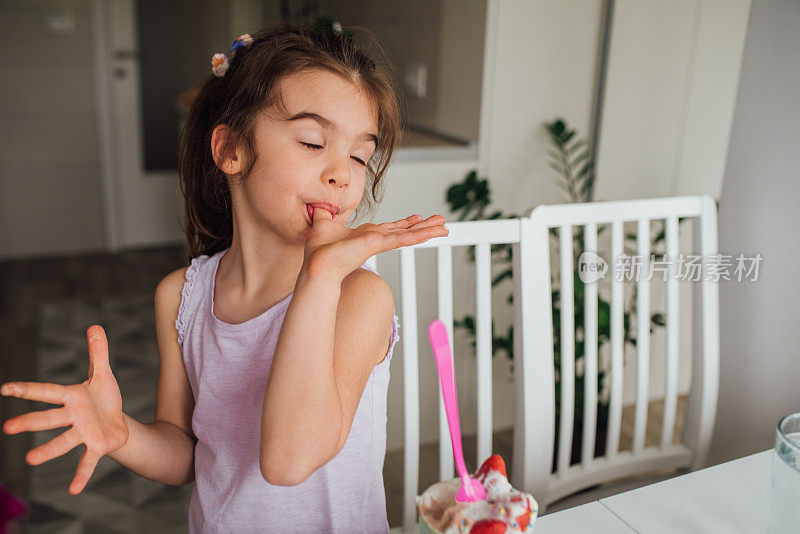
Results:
x,y
45,309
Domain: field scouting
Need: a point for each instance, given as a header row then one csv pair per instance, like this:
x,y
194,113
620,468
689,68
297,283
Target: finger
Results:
x,y
52,393
420,235
84,471
430,221
98,349
402,223
409,237
35,421
319,214
57,446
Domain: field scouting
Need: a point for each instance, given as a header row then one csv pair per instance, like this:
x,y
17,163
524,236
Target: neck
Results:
x,y
258,264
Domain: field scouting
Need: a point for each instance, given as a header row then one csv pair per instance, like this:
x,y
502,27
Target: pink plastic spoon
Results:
x,y
470,489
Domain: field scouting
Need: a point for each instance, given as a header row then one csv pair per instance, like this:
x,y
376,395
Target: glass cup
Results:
x,y
784,508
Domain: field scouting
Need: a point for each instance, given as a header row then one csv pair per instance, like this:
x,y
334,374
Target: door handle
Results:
x,y
126,54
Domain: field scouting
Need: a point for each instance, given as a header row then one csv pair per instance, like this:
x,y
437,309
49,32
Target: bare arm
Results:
x,y
334,332
157,451
164,449
325,353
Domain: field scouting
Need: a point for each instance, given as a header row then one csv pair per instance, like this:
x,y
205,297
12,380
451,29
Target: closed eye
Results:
x,y
312,146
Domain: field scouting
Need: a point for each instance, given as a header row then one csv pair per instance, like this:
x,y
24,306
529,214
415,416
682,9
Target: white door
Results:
x,y
50,200
140,203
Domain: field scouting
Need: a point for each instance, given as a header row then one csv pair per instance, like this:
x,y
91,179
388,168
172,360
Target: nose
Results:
x,y
338,172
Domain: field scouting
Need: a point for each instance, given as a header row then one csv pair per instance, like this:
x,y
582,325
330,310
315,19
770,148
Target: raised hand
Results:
x,y
93,409
334,250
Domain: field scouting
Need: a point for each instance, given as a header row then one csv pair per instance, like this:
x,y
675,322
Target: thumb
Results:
x,y
98,349
320,214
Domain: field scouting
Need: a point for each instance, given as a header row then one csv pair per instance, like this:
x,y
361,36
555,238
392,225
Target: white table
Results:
x,y
730,497
592,517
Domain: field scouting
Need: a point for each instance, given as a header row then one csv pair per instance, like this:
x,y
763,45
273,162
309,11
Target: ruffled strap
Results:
x,y
394,339
186,294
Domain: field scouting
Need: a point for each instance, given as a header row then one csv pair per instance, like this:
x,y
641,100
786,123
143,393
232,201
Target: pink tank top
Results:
x,y
228,365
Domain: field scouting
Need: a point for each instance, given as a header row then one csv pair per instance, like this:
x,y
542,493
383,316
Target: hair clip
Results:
x,y
220,62
219,65
243,40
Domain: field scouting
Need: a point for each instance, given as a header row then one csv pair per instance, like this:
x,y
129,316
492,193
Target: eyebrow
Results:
x,y
330,125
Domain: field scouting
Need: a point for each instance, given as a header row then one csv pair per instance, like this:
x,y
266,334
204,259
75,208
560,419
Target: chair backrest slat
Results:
x,y
534,385
617,344
408,288
672,320
567,371
483,345
642,333
589,353
444,269
702,403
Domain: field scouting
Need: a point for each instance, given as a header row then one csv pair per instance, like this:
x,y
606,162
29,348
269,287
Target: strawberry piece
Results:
x,y
523,520
493,463
488,526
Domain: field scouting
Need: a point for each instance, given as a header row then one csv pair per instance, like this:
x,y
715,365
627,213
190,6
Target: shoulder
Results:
x,y
168,291
168,301
366,307
368,285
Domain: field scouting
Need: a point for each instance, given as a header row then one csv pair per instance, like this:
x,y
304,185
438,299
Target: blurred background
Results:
x,y
671,98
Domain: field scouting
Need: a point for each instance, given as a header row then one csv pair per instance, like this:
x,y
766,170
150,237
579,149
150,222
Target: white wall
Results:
x,y
671,86
50,200
543,68
760,367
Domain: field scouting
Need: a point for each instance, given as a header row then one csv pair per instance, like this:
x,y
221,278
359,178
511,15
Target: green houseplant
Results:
x,y
470,199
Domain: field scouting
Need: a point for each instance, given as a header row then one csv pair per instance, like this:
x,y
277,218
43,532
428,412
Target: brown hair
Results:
x,y
248,87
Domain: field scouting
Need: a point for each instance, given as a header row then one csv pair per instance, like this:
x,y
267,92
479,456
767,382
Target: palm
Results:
x,y
93,410
332,247
97,408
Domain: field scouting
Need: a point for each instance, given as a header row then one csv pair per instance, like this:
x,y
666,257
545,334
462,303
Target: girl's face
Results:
x,y
317,155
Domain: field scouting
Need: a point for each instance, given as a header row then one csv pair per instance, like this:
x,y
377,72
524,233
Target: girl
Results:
x,y
275,342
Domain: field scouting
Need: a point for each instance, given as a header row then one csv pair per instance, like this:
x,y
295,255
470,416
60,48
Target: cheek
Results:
x,y
356,191
354,201
276,177
277,157
269,192
364,188
359,178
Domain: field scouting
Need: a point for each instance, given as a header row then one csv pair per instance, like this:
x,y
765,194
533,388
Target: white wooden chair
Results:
x,y
534,424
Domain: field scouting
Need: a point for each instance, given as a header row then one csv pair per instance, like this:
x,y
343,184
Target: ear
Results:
x,y
227,158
